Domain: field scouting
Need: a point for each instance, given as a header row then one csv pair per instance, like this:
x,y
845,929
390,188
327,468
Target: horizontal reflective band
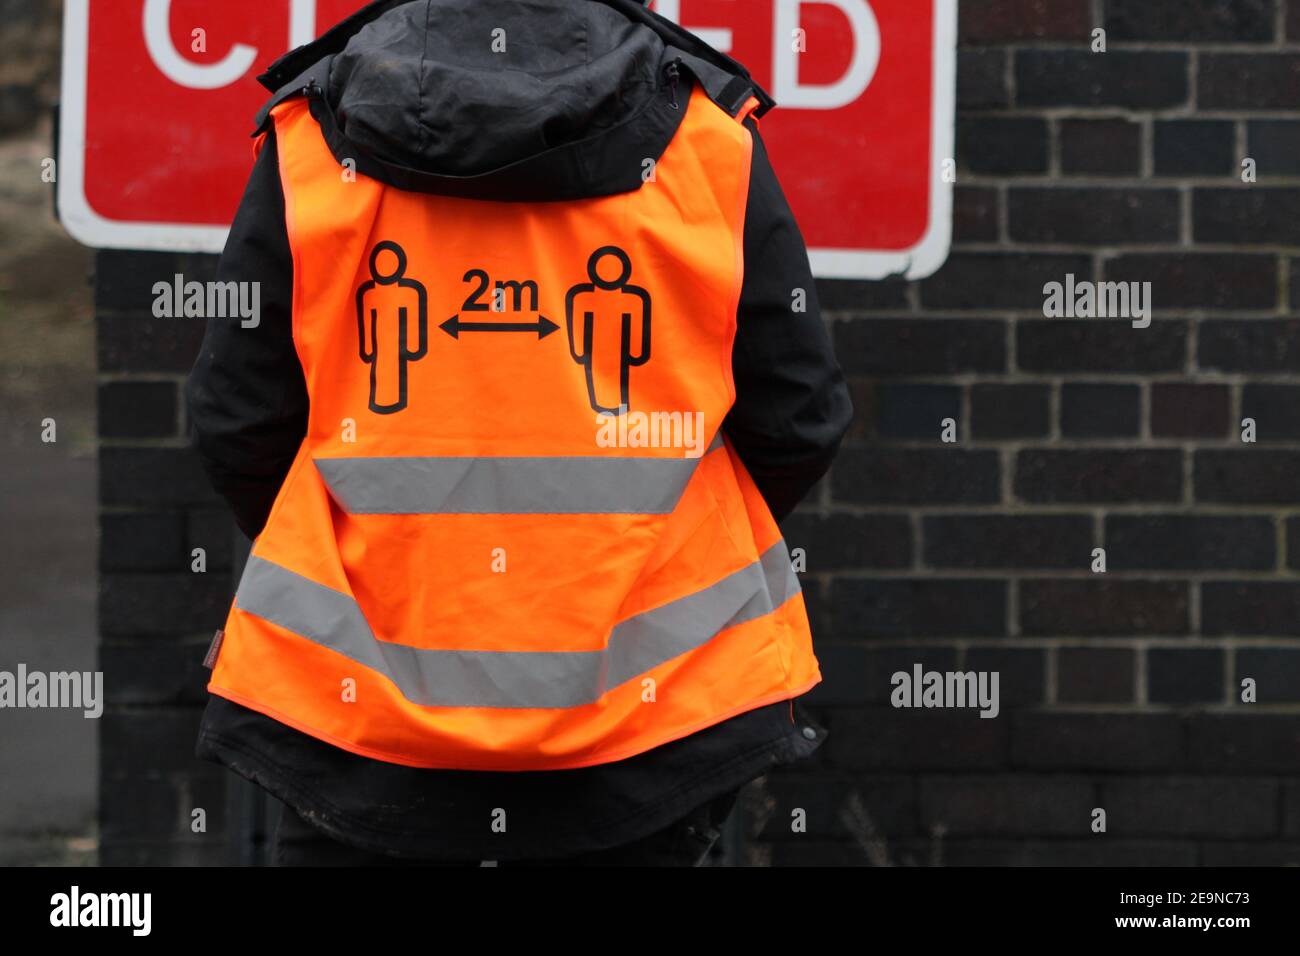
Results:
x,y
442,678
435,486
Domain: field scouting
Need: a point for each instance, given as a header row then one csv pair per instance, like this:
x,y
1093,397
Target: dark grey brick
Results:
x,y
137,409
1276,410
1009,411
147,604
1275,670
1107,742
1022,673
1218,280
1103,607
1188,410
887,738
154,672
214,532
1100,346
1198,21
1093,215
1095,675
916,411
845,541
153,477
1246,215
1194,147
1005,21
891,347
1007,541
853,295
915,476
1244,743
1100,147
1274,145
1254,608
920,607
1001,145
1189,542
1099,475
1248,81
981,79
1190,806
1184,675
1249,345
141,541
974,214
1246,476
1094,410
979,280
1007,804
1140,80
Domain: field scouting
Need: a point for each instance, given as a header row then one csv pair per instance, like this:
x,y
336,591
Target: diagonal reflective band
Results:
x,y
586,485
441,678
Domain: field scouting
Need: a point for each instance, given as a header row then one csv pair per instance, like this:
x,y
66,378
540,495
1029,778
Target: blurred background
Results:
x,y
1119,690
48,506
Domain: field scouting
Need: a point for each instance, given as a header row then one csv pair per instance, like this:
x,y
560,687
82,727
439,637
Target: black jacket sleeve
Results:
x,y
246,397
792,405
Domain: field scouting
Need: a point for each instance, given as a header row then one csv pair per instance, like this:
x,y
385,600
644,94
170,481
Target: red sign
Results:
x,y
158,98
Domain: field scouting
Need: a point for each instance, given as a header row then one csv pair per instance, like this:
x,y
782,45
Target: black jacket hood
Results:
x,y
505,99
462,88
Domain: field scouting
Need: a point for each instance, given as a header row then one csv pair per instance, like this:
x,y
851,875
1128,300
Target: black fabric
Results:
x,y
417,813
246,396
792,405
337,37
247,405
685,842
504,100
418,86
608,162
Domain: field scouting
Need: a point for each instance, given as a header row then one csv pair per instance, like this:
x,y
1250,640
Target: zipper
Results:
x,y
673,72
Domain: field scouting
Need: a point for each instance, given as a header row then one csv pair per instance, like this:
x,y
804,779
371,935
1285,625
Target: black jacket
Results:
x,y
395,90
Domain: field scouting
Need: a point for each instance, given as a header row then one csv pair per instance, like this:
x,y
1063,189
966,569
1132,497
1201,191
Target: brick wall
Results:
x,y
1118,690
156,616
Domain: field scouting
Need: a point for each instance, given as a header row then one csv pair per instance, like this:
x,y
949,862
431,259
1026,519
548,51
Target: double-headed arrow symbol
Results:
x,y
455,325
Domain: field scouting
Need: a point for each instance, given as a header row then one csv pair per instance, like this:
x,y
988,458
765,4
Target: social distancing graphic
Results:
x,y
607,319
384,326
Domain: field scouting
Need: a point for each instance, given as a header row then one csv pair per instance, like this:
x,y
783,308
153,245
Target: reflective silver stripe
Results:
x,y
585,485
442,678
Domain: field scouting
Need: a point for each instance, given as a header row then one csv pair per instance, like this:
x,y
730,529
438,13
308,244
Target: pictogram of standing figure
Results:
x,y
612,331
385,304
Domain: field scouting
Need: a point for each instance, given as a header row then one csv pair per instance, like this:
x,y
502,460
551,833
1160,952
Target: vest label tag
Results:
x,y
214,649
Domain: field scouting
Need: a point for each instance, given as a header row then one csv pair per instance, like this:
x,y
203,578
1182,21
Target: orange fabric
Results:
x,y
428,580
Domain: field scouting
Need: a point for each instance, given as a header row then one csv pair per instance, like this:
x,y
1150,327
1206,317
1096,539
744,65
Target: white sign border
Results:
x,y
90,228
931,251
82,222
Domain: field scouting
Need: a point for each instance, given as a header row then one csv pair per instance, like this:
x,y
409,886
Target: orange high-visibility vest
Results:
x,y
514,537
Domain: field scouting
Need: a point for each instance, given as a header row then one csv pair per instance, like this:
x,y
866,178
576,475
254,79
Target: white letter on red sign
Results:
x,y
788,91
717,37
211,76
